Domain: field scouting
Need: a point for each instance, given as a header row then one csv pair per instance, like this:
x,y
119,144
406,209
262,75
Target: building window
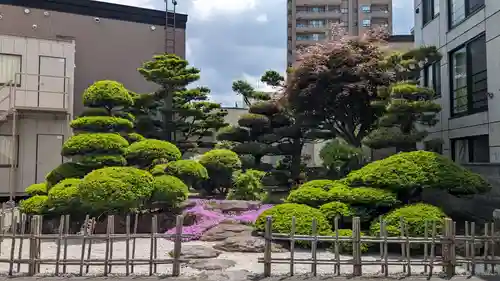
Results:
x,y
469,78
461,9
317,9
432,78
365,8
366,23
6,146
344,10
10,69
316,23
474,149
430,10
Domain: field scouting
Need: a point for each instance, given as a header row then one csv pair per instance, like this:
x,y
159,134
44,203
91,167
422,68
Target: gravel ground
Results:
x,y
244,261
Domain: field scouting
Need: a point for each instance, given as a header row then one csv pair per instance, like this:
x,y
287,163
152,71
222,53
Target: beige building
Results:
x,y
50,51
309,21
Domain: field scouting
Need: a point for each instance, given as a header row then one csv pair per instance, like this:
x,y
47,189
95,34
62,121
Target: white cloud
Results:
x,y
262,18
206,9
135,3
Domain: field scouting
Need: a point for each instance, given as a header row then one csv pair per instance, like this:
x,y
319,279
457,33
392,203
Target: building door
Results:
x,y
52,82
48,154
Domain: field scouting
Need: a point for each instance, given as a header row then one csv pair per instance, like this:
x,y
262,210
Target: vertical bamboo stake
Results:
x,y
111,243
486,248
127,246
408,255
386,250
381,244
134,240
467,245
492,228
21,242
91,241
32,251
433,248
267,247
314,245
356,251
448,255
401,235
106,253
13,227
65,251
292,247
39,243
426,246
473,249
337,250
84,240
59,240
176,269
155,225
151,246
2,234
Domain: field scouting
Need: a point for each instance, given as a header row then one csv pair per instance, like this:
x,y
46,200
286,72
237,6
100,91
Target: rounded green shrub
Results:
x,y
345,247
373,197
108,94
65,171
116,188
158,170
264,107
323,184
254,121
247,186
37,189
101,124
64,196
96,111
333,209
169,190
418,169
143,153
36,205
98,143
99,161
414,216
220,160
134,137
282,215
233,134
190,171
310,196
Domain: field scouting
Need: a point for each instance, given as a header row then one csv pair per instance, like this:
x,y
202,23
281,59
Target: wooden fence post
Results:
x,y
449,248
356,247
267,247
176,267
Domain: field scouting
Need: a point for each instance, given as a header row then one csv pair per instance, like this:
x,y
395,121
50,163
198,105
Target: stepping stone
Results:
x,y
247,244
197,252
211,264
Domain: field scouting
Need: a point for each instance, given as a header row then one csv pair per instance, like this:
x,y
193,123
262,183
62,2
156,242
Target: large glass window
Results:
x,y
430,10
7,145
474,149
461,9
432,78
10,69
469,78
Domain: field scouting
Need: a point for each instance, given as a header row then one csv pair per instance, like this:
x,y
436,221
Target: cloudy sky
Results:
x,y
240,39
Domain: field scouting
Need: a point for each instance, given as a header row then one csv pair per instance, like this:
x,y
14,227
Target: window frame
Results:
x,y
17,144
470,148
468,70
20,69
366,9
429,12
366,25
435,69
469,11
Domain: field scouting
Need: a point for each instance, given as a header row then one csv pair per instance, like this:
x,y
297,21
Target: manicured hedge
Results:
x,y
134,137
37,189
65,171
64,196
170,191
310,196
97,143
107,93
143,153
99,161
190,171
36,205
101,124
323,184
333,209
254,121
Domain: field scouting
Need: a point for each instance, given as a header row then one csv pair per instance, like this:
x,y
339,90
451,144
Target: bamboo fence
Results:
x,y
24,231
435,238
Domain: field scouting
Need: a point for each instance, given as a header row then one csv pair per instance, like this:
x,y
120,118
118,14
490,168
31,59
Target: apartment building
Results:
x,y
467,35
309,21
50,51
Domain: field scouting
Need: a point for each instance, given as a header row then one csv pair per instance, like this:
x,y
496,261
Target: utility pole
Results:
x,y
169,48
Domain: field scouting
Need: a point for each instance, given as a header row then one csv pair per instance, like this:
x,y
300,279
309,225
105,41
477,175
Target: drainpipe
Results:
x,y
13,155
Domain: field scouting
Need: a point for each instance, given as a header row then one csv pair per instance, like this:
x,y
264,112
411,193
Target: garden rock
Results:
x,y
246,244
236,205
211,264
231,275
225,230
197,252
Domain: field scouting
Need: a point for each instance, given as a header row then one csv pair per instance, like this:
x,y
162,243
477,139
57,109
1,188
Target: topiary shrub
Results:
x,y
64,197
107,94
158,170
345,247
102,124
323,184
282,220
189,171
407,173
414,216
333,209
143,153
65,171
220,164
169,191
98,143
116,189
247,186
37,189
310,196
253,121
134,137
36,205
99,161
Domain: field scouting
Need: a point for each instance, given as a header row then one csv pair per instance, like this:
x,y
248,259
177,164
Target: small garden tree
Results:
x,y
340,158
146,153
220,164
